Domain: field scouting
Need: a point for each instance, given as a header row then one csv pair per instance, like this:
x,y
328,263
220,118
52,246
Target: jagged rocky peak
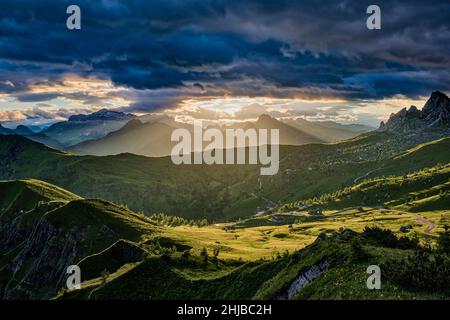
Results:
x,y
434,114
437,101
436,111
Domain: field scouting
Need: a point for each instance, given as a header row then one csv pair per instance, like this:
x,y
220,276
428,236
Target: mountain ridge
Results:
x,y
102,115
434,114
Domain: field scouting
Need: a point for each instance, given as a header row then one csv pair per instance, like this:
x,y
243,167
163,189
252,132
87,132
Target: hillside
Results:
x,y
422,190
154,185
148,139
124,255
328,131
27,132
320,271
288,134
44,229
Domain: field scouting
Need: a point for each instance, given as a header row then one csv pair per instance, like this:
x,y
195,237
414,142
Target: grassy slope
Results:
x,y
160,277
111,259
174,277
46,228
25,194
150,184
223,192
423,190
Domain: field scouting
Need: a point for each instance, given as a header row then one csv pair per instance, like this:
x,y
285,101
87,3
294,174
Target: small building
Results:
x,y
276,219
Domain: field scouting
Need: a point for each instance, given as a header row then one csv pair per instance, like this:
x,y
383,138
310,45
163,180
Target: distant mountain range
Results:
x,y
80,128
102,115
153,138
30,134
149,139
109,132
329,131
20,130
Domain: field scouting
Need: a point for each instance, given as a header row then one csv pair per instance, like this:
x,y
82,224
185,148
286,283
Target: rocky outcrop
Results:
x,y
434,115
436,111
303,279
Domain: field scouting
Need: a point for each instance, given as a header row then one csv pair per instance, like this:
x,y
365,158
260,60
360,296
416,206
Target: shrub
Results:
x,y
215,256
421,270
386,238
186,254
204,254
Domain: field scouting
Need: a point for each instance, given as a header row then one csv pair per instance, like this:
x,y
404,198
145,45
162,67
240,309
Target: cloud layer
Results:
x,y
160,52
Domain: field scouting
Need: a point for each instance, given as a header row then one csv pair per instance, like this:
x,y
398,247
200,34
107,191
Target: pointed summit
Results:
x,y
437,100
23,130
436,111
264,118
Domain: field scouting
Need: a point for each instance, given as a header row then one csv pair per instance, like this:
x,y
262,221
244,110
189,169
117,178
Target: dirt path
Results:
x,y
354,208
365,175
431,224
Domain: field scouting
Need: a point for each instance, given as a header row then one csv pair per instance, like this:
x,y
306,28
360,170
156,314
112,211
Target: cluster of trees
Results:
x,y
426,269
215,258
377,191
174,221
386,238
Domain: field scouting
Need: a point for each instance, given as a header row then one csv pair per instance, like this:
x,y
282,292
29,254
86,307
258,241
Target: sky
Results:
x,y
221,59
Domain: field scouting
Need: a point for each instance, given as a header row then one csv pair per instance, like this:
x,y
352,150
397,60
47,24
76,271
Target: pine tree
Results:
x,y
204,254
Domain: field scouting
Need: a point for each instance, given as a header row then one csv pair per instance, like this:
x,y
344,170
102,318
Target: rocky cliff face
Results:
x,y
40,263
434,115
303,279
37,245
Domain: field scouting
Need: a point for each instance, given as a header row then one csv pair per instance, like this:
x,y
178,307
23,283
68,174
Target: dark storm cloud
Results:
x,y
36,97
192,48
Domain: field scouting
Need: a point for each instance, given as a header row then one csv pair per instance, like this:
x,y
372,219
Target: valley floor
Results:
x,y
258,238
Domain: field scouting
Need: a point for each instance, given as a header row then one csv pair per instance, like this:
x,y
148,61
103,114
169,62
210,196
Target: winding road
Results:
x,y
430,224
